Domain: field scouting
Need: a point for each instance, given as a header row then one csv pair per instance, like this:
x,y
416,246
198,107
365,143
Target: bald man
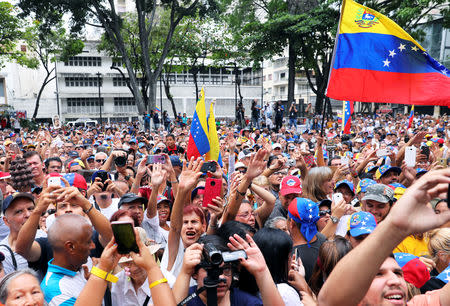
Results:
x,y
71,239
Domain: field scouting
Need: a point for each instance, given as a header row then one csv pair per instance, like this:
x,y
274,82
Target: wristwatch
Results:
x,y
334,219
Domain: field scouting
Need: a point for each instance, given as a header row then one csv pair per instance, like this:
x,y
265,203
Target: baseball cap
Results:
x,y
244,153
276,146
161,198
290,184
346,183
371,168
306,213
76,180
4,175
414,271
240,165
380,193
8,201
131,197
361,223
385,169
76,162
73,154
363,184
7,143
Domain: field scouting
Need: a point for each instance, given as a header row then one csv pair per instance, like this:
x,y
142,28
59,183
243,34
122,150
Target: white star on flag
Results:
x,y
414,48
363,223
444,71
386,63
392,53
401,47
310,216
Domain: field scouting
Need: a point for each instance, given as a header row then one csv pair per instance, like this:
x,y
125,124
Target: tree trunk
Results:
x,y
169,96
152,94
38,98
291,66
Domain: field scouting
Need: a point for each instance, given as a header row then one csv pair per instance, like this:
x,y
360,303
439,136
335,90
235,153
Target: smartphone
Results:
x,y
156,159
355,203
410,156
54,181
382,152
103,175
337,197
344,160
443,162
425,150
209,167
448,196
124,236
212,190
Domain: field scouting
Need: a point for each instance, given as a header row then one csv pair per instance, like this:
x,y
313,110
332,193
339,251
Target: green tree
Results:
x,y
10,34
105,14
48,46
308,29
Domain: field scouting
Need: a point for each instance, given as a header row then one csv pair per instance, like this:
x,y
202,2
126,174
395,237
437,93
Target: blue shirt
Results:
x,y
61,286
237,297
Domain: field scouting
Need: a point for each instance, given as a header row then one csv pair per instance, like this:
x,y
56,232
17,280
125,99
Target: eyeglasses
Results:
x,y
50,211
280,173
323,213
246,215
100,160
242,170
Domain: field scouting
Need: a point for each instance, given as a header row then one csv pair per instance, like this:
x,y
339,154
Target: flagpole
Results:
x,y
323,116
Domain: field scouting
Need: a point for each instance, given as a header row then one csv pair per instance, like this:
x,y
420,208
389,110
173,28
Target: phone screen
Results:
x,y
124,237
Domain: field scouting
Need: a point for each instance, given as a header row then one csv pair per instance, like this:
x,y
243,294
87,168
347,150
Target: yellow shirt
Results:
x,y
413,245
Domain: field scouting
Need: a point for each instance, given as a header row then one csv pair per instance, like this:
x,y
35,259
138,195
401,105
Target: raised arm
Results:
x,y
409,215
263,212
188,178
158,177
25,244
98,220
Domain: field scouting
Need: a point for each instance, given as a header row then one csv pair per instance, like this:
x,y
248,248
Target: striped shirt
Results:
x,y
62,286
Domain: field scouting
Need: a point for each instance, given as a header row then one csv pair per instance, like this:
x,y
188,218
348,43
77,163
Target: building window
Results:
x,y
282,90
282,76
120,82
124,105
84,105
270,77
82,81
117,62
84,61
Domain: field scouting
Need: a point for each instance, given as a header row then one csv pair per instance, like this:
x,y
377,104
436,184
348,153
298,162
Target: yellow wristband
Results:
x,y
159,281
104,275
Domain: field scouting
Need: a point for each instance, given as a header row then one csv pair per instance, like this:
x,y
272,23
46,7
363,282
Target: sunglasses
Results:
x,y
280,173
323,213
100,160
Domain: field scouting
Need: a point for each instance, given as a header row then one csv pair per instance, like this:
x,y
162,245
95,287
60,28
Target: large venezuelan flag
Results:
x,y
214,150
375,60
198,136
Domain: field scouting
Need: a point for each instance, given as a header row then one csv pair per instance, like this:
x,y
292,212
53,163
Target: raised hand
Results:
x,y
158,175
255,262
257,164
190,174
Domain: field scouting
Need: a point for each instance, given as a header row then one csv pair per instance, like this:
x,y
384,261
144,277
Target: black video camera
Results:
x,y
214,257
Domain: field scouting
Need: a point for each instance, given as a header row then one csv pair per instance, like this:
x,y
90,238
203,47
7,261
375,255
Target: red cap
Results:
x,y
290,184
4,175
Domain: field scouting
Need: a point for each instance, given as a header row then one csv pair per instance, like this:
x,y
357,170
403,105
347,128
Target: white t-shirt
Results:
x,y
289,295
342,226
111,209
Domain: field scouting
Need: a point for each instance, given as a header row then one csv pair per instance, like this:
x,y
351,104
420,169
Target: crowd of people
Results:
x,y
299,216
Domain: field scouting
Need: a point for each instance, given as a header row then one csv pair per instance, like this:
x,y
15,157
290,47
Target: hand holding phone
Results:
x,y
337,197
410,156
212,190
209,167
156,159
124,236
54,181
